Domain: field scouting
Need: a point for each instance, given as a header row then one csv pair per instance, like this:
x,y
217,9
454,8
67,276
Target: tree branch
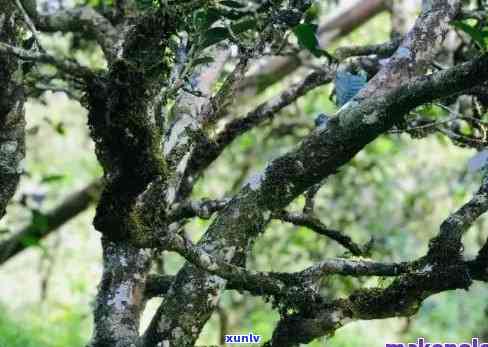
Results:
x,y
384,101
316,225
65,211
12,117
83,19
66,65
426,276
276,283
338,26
208,151
188,209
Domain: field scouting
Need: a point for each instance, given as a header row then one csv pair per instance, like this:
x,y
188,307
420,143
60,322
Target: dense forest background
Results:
x,y
393,195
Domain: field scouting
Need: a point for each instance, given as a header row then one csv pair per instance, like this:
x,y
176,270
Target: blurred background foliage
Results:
x,y
396,191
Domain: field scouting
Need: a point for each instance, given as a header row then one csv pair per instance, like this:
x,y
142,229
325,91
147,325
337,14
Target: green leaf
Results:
x,y
203,19
306,35
52,178
476,35
218,34
214,35
231,3
244,25
59,128
40,221
30,241
146,4
203,60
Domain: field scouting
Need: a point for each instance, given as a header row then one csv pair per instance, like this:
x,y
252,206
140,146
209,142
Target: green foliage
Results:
x,y
217,34
306,35
204,18
146,4
58,328
52,178
478,35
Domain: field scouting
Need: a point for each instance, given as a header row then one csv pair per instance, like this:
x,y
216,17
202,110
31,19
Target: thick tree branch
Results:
x,y
276,283
12,120
386,98
208,151
120,298
427,276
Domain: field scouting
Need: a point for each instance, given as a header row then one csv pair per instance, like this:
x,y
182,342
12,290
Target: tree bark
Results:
x,y
12,121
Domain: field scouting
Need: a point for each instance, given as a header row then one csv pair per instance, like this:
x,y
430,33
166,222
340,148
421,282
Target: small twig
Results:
x,y
316,225
31,25
383,50
310,194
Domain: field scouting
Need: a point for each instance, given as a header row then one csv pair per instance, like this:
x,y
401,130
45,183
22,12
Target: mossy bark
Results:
x,y
12,122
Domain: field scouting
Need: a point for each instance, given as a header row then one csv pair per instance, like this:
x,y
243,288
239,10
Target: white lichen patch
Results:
x,y
180,169
255,181
21,166
335,317
403,52
215,282
122,296
184,123
164,324
170,194
123,261
229,253
426,268
370,118
235,213
9,147
177,333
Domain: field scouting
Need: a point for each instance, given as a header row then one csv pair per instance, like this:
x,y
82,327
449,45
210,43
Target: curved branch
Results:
x,y
384,101
68,66
316,225
83,19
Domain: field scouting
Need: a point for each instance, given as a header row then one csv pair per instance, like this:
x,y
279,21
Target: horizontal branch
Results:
x,y
84,19
66,65
278,284
382,50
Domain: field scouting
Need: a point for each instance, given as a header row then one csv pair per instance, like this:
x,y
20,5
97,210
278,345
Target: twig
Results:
x,y
66,65
316,225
